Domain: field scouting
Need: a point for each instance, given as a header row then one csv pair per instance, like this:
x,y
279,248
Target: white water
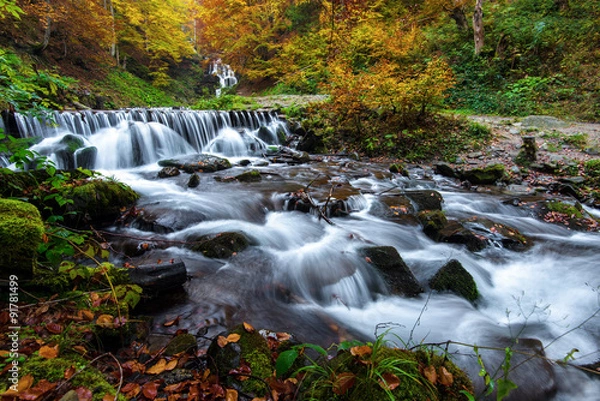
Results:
x,y
305,276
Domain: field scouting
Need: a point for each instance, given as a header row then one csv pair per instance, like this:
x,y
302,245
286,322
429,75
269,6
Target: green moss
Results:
x,y
53,370
565,208
21,230
249,176
433,221
486,175
221,246
592,168
453,277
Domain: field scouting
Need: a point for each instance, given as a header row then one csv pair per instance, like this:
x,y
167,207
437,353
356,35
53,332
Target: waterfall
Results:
x,y
134,137
225,74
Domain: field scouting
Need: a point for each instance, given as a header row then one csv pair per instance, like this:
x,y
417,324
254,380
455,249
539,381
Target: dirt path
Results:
x,y
558,141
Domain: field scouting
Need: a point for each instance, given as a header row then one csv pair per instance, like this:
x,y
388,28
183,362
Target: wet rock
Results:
x,y
194,181
437,227
395,271
249,176
167,172
86,157
455,278
197,163
158,277
488,175
222,245
528,152
399,168
21,230
97,202
446,170
426,199
182,343
241,346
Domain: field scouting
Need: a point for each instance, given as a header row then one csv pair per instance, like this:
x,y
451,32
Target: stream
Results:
x,y
304,275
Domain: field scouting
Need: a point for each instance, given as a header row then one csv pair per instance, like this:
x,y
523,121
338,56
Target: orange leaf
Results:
x,y
446,377
430,374
343,382
231,395
222,341
49,352
150,390
69,372
171,364
173,322
87,315
24,383
106,321
248,327
361,350
158,368
108,397
131,390
80,349
233,338
283,336
389,381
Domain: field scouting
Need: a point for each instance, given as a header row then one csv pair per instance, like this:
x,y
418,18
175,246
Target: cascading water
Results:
x,y
136,137
303,275
225,73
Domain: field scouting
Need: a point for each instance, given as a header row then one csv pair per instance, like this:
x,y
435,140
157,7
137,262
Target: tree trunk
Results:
x,y
478,26
458,15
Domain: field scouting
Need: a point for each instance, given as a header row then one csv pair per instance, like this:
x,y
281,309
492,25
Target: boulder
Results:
x,y
426,199
170,171
222,245
242,349
197,163
488,175
455,278
158,277
21,230
437,227
194,181
98,202
395,271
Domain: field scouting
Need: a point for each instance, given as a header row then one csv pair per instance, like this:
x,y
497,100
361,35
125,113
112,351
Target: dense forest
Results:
x,y
388,62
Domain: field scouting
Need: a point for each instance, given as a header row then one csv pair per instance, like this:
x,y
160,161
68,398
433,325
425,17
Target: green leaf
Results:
x,y
505,386
317,348
285,360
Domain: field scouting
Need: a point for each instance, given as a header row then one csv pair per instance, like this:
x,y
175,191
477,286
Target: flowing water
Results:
x,y
306,276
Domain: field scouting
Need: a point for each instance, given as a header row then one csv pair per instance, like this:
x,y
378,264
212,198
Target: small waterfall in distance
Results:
x,y
134,137
225,74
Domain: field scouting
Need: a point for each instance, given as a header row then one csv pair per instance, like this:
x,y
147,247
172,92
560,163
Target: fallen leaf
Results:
x,y
343,382
231,395
233,338
431,375
49,352
173,322
445,377
248,327
54,328
69,372
105,321
108,397
171,365
361,350
283,336
222,341
87,315
389,381
83,394
158,368
131,390
150,390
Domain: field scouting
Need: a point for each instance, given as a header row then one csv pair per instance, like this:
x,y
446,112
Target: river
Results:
x,y
306,275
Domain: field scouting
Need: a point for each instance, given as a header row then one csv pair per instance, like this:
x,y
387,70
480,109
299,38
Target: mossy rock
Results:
x,y
54,370
98,202
395,271
437,227
357,377
455,278
433,221
21,230
249,176
426,199
488,175
399,168
221,246
182,343
250,349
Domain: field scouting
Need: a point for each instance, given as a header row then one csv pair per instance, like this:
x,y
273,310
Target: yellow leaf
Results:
x,y
171,364
222,341
233,338
106,321
49,352
231,395
248,327
158,368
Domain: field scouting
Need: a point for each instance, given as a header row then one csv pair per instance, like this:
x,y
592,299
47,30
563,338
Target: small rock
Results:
x,y
194,181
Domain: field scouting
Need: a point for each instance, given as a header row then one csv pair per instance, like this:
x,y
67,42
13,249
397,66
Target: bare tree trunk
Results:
x,y
458,15
478,26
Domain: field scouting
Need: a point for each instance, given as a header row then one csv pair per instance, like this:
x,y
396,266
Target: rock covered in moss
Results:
x,y
488,175
98,202
455,278
221,246
182,343
242,349
437,227
21,230
396,272
426,199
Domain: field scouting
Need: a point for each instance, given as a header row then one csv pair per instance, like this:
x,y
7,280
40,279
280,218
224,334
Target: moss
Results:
x,y
21,230
99,201
486,175
565,208
249,176
453,277
221,246
592,168
53,370
433,221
